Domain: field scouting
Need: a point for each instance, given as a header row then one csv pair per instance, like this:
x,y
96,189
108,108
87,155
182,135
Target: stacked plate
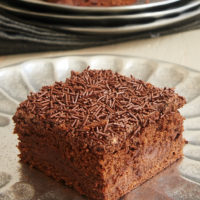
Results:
x,y
104,20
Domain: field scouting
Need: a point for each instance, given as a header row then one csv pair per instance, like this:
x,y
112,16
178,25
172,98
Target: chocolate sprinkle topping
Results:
x,y
101,107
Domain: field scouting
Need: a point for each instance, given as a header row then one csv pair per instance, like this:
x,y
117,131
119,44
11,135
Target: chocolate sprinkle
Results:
x,y
101,104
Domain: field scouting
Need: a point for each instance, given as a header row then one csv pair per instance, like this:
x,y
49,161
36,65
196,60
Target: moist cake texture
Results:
x,y
95,2
100,132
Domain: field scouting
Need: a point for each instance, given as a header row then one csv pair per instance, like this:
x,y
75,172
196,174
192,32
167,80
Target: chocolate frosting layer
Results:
x,y
98,109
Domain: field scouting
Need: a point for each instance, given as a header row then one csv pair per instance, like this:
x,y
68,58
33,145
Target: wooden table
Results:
x,y
181,48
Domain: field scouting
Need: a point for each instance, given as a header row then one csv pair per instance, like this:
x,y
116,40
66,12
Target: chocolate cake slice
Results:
x,y
100,132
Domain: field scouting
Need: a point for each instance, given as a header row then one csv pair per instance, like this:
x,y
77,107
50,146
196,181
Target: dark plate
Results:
x,y
94,20
155,4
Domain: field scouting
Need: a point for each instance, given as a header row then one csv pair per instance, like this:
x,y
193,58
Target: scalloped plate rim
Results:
x,y
28,60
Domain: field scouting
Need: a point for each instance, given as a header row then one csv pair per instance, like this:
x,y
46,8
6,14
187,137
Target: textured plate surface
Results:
x,y
18,182
96,20
141,6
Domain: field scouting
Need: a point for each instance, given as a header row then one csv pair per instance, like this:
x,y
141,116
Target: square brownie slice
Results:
x,y
100,132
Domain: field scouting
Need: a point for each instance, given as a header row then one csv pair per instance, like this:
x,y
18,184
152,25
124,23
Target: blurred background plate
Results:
x,y
141,6
18,182
102,20
132,28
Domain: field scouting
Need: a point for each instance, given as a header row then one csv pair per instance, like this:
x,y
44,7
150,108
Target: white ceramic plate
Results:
x,y
18,182
92,20
101,10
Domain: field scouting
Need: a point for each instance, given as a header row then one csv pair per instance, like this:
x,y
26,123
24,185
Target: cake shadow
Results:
x,y
167,185
45,188
155,187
